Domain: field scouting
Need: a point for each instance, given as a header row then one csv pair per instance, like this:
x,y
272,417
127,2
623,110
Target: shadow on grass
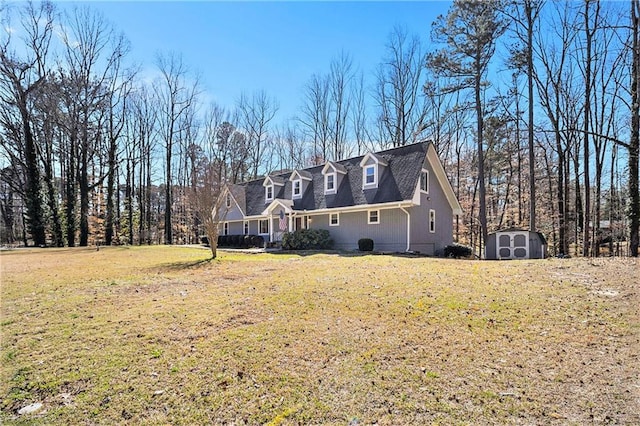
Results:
x,y
182,265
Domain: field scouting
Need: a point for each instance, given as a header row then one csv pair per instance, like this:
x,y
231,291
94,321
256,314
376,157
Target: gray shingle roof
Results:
x,y
397,182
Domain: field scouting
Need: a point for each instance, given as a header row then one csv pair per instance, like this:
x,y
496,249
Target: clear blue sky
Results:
x,y
275,46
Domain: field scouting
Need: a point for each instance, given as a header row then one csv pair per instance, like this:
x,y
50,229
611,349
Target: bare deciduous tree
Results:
x,y
398,88
176,94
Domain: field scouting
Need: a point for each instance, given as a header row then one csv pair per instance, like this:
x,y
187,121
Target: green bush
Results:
x,y
457,250
307,239
365,244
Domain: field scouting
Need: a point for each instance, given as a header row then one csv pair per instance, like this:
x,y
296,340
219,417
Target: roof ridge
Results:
x,y
345,160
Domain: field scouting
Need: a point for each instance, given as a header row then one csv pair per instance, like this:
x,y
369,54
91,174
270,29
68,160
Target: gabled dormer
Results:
x,y
373,166
333,173
299,182
272,186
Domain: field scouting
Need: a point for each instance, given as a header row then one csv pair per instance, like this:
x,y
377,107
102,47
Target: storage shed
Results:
x,y
515,244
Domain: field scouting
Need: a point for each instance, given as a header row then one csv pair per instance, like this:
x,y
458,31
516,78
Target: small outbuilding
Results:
x,y
515,244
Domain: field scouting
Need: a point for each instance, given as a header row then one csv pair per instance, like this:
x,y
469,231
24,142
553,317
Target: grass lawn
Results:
x,y
160,335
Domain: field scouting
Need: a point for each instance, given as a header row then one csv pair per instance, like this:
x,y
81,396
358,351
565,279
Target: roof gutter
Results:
x,y
359,207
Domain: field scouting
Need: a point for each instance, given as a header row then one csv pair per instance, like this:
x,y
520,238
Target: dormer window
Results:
x,y
270,191
297,188
299,181
330,183
370,175
332,177
372,169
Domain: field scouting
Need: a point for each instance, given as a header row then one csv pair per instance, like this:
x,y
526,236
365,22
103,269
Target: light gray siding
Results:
x,y
422,240
388,235
232,213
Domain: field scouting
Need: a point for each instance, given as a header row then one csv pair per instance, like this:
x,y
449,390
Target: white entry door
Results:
x,y
512,245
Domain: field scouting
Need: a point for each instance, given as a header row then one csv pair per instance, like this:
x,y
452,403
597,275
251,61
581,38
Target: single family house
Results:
x,y
400,198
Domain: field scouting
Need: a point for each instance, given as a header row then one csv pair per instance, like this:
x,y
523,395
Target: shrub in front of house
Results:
x,y
365,244
457,250
240,241
307,239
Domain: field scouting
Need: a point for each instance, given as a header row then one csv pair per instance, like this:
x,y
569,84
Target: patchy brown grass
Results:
x,y
161,335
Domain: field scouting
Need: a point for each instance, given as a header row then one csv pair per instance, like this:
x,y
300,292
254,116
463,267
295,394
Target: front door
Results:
x,y
512,245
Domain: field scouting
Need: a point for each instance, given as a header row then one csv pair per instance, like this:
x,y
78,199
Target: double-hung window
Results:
x,y
334,219
297,188
370,175
330,183
373,217
268,192
424,181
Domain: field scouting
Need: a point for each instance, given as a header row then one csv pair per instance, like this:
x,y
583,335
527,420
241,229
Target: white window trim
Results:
x,y
295,196
337,215
373,184
225,228
369,222
245,227
260,227
326,181
432,221
266,192
428,178
228,200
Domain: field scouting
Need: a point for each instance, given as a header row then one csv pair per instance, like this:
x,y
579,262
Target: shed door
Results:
x,y
512,245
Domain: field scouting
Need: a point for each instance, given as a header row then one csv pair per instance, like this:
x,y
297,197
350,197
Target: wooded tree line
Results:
x,y
532,106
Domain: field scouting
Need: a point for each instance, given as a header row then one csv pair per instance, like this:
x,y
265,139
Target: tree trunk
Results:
x,y
110,214
35,214
168,234
634,143
532,168
587,112
480,130
70,205
84,193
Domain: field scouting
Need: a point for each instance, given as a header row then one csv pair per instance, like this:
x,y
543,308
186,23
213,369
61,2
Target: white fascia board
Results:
x,y
295,175
335,169
376,158
359,207
286,204
268,181
438,170
416,194
224,194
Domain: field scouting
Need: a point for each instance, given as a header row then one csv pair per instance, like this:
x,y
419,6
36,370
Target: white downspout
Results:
x,y
408,227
